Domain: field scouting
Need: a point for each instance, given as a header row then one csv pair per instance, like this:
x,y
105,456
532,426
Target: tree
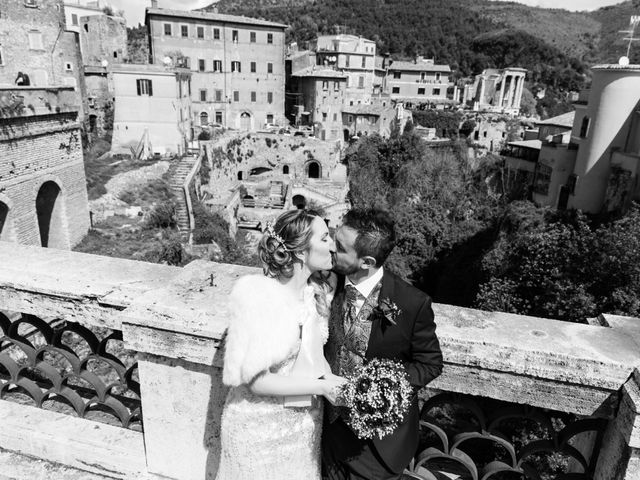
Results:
x,y
527,103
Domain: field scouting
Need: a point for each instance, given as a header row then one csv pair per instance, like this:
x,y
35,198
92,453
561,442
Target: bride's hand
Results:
x,y
331,388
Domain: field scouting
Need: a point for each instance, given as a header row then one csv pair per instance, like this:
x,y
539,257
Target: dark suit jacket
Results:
x,y
413,342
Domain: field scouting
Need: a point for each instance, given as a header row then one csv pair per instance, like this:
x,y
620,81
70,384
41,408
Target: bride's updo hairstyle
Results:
x,y
283,240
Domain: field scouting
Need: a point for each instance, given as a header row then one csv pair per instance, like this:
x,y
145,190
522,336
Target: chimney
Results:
x,y
154,3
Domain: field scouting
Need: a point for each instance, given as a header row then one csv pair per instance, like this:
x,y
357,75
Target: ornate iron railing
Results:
x,y
476,438
66,367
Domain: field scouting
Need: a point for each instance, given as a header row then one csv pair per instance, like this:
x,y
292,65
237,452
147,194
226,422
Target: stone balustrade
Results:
x,y
174,318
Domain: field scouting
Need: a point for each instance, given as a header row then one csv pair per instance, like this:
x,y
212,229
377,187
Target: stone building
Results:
x,y
353,56
43,195
322,92
103,38
498,91
33,41
373,119
419,82
237,64
152,107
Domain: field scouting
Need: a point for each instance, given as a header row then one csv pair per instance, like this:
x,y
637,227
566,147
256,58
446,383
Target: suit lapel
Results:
x,y
386,291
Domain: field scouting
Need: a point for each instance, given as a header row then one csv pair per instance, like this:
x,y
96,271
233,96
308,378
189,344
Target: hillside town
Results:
x,y
136,184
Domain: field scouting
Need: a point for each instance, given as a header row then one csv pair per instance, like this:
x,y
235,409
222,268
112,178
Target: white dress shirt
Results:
x,y
365,287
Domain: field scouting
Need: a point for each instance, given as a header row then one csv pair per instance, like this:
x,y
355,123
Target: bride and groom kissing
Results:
x,y
322,308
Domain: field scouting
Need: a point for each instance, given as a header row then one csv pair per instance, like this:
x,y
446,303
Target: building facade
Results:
x,y
43,194
354,57
152,108
419,82
237,64
322,91
33,41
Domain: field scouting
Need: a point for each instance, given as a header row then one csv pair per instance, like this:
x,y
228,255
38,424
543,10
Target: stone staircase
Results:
x,y
178,173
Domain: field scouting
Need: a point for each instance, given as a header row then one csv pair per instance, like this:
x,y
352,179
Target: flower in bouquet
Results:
x,y
377,395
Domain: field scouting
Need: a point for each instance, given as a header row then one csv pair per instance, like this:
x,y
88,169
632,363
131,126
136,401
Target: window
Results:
x,y
253,96
336,86
35,40
436,91
361,81
420,91
584,127
219,117
1,57
167,29
395,90
269,67
144,86
235,67
269,118
335,117
347,61
216,34
269,37
325,84
201,64
542,179
74,19
200,32
218,95
185,61
236,96
234,36
204,119
30,3
438,76
324,116
68,67
364,62
184,30
203,95
269,97
217,65
423,76
252,37
350,118
397,75
253,67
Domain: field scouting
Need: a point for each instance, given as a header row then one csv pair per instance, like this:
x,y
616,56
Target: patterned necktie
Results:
x,y
351,296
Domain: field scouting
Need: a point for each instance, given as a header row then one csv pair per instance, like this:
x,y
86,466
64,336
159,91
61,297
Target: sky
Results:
x,y
134,9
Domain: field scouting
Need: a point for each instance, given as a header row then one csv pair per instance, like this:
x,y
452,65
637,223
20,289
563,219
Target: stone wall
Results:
x,y
42,178
103,38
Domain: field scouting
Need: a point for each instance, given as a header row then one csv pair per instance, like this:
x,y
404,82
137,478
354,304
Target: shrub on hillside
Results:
x,y
161,215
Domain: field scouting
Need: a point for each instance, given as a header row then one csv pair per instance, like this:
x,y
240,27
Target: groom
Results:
x,y
375,314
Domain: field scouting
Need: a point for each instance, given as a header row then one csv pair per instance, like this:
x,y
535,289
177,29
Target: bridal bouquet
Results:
x,y
377,395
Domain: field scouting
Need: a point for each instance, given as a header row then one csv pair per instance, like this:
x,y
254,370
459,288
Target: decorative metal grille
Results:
x,y
66,367
475,438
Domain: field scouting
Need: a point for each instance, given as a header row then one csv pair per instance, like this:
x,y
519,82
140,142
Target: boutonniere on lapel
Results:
x,y
388,310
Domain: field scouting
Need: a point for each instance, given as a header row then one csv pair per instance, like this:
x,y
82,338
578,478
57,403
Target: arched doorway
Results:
x,y
248,201
204,119
4,221
285,169
240,175
346,134
245,121
313,170
299,201
50,216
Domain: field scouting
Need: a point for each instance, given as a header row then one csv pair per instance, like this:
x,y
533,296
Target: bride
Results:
x,y
271,421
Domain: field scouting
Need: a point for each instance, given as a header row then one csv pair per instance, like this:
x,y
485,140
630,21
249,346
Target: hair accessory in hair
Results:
x,y
272,233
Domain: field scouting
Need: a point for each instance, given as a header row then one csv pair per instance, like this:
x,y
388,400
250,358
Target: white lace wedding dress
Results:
x,y
260,437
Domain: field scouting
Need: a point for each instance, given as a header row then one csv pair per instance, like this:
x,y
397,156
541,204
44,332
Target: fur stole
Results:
x,y
264,328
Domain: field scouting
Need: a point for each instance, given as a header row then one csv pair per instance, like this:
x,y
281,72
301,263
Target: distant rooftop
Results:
x,y
419,66
532,144
318,72
564,120
215,17
146,68
365,109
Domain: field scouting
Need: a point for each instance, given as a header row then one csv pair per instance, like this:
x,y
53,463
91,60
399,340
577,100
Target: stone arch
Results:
x,y
299,201
245,121
51,215
314,170
6,230
285,169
